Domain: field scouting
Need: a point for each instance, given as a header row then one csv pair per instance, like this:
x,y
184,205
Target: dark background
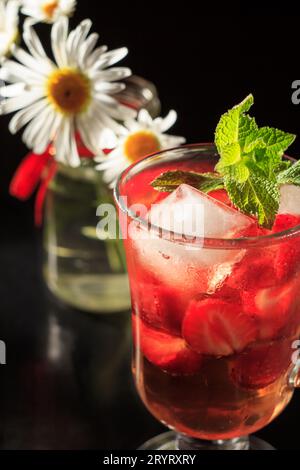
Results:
x,y
202,64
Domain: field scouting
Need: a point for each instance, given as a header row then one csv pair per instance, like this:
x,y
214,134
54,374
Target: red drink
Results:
x,y
213,326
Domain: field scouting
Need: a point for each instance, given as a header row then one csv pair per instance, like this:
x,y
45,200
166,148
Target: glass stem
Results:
x,y
188,443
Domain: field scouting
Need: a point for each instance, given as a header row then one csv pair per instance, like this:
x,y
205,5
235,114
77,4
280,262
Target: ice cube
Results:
x,y
197,214
172,261
289,199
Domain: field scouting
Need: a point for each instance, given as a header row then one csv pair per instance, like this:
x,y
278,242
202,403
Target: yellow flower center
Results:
x,y
69,90
49,8
139,144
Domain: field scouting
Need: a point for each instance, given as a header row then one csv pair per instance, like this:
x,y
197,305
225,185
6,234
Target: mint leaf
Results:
x,y
251,162
231,154
282,166
290,176
231,127
239,172
257,196
276,141
248,133
170,180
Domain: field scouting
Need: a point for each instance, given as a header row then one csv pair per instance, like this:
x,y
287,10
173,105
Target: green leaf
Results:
x,y
248,133
231,127
257,196
239,172
253,142
231,154
282,166
290,175
205,182
276,141
251,162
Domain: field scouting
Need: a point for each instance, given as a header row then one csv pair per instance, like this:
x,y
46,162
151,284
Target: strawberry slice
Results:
x,y
219,328
168,352
273,308
256,270
159,305
262,364
265,267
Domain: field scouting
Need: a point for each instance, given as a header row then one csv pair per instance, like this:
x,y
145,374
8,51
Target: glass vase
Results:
x,y
80,269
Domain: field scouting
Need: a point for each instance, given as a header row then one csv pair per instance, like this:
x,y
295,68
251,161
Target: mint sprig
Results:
x,y
250,160
205,182
250,167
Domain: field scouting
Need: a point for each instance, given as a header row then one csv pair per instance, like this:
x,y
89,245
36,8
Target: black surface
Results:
x,y
67,382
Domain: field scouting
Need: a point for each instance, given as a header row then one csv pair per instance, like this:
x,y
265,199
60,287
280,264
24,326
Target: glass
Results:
x,y
212,401
79,268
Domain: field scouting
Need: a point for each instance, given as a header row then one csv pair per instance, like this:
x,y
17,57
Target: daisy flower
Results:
x,y
138,138
9,21
47,11
73,95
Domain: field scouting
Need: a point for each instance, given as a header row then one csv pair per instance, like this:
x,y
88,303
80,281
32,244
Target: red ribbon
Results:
x,y
35,172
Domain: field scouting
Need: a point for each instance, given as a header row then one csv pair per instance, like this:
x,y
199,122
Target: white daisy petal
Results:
x,y
107,139
116,73
110,88
169,141
32,133
83,30
17,72
59,143
21,118
32,41
115,110
19,102
59,35
105,121
38,66
9,21
87,131
86,48
9,91
42,140
74,159
110,160
75,39
168,121
99,156
144,118
111,58
132,125
94,56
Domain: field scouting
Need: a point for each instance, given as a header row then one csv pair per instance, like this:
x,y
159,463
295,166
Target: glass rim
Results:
x,y
206,242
